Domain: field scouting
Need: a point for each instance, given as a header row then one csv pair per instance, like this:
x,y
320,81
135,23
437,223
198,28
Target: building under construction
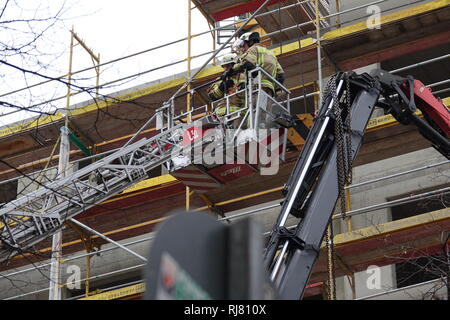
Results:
x,y
100,180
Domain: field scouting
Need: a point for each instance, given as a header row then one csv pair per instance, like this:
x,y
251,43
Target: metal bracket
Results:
x,y
285,234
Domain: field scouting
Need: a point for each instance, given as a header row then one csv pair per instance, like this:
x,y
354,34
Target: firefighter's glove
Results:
x,y
230,72
248,66
226,84
281,77
241,86
229,83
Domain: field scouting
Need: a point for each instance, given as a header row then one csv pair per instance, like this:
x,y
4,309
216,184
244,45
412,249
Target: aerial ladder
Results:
x,y
37,215
290,253
229,267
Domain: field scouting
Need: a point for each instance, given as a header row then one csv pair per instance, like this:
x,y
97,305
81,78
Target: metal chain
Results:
x,y
348,123
344,159
340,159
342,134
331,88
331,262
344,145
340,148
329,243
329,281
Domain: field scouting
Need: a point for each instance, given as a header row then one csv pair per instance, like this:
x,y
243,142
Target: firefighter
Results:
x,y
228,86
251,55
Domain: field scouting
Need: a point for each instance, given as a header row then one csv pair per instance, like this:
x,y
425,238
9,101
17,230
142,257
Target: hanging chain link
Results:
x,y
329,244
348,123
343,138
340,149
342,134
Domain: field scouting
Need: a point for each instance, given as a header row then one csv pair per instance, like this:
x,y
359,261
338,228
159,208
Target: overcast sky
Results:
x,y
117,28
121,30
114,29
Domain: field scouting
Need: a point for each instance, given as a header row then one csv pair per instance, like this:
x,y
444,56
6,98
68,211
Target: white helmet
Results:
x,y
227,59
245,36
237,46
250,36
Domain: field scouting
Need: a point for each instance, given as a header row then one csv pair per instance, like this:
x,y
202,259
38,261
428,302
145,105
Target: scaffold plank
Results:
x,y
385,19
118,294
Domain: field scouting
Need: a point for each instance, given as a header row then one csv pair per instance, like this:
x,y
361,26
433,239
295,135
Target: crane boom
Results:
x,y
313,190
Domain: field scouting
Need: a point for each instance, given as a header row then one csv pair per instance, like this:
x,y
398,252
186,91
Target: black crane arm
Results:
x,y
313,190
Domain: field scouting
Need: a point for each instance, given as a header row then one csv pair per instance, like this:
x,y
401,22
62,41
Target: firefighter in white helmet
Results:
x,y
251,55
228,86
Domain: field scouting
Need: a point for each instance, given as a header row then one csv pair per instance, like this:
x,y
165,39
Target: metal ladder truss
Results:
x,y
37,215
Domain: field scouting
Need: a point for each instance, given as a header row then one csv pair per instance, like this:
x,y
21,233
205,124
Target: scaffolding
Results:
x,y
187,89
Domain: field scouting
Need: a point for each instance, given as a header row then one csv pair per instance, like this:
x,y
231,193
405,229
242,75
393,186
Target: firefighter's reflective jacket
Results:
x,y
229,86
266,59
